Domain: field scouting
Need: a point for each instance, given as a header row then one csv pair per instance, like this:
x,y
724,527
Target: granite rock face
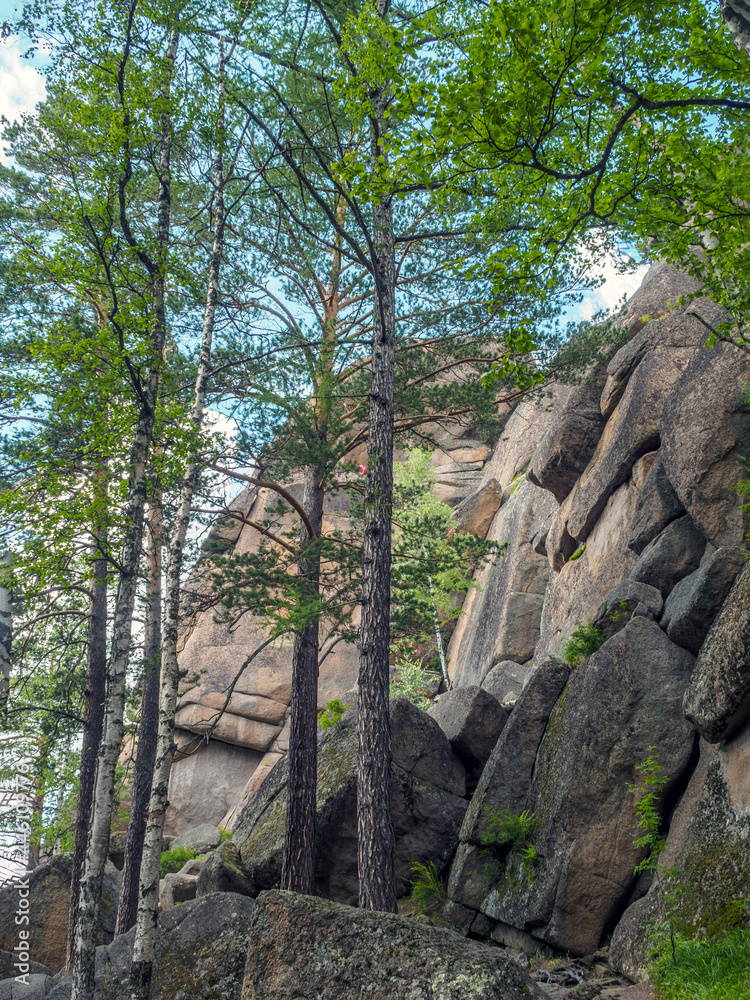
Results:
x,y
212,783
697,599
428,782
305,948
708,846
717,701
625,698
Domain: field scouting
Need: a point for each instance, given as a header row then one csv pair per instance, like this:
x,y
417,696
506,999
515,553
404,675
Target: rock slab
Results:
x,y
305,948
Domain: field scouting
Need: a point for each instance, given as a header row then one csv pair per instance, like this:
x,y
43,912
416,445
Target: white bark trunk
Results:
x,y
148,897
84,944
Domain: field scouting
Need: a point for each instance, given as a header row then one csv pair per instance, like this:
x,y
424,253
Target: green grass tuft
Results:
x,y
706,970
172,861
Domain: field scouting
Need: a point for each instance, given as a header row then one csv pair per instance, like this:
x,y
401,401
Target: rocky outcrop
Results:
x,y
718,699
428,782
615,506
222,871
307,948
201,949
707,855
626,697
49,901
472,719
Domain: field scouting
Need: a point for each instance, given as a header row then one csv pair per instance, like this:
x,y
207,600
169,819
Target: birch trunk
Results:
x,y
93,725
148,724
84,944
375,835
141,969
6,631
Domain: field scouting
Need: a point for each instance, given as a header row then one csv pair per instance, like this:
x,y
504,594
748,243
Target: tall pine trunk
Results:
x,y
6,631
84,944
148,724
93,724
377,890
298,870
141,968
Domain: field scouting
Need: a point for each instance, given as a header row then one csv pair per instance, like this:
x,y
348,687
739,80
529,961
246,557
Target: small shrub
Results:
x,y
647,796
331,714
529,861
410,680
225,834
172,861
584,641
578,553
509,830
426,888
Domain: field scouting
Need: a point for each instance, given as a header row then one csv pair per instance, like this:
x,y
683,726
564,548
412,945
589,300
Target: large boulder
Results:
x,y
222,871
707,849
305,948
502,615
472,719
506,780
694,603
570,441
49,902
718,699
658,506
201,948
201,839
506,680
627,599
672,555
625,699
428,783
705,435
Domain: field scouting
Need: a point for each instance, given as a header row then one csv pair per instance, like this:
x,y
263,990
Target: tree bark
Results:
x,y
96,856
93,725
148,724
375,835
736,13
141,969
298,869
6,631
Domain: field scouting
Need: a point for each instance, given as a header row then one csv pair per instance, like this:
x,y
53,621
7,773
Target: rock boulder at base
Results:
x,y
625,698
672,555
504,785
222,871
428,782
717,701
472,719
201,839
695,602
305,948
49,899
707,846
201,948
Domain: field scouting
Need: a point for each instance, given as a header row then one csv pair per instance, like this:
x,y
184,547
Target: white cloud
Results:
x,y
21,86
609,295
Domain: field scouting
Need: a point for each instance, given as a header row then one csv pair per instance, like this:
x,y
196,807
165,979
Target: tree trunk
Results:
x,y
148,724
6,631
93,725
298,870
91,884
736,13
375,836
141,968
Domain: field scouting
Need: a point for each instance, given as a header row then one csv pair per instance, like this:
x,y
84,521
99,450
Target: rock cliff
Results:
x,y
616,501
